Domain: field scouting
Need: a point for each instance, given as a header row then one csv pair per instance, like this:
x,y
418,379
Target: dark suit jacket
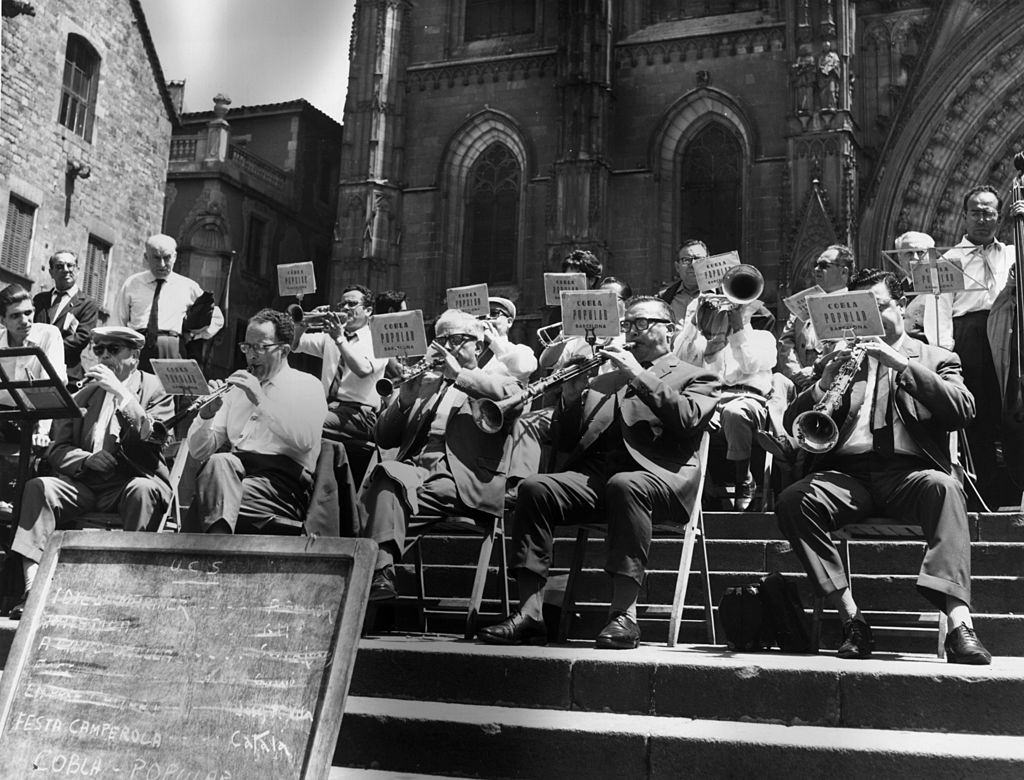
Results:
x,y
72,437
477,459
662,421
82,308
931,400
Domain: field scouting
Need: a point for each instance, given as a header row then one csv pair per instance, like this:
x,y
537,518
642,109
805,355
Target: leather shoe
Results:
x,y
382,588
743,495
18,609
857,640
621,633
516,629
964,647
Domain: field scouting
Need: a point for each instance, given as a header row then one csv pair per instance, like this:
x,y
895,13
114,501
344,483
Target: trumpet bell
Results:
x,y
551,334
742,284
488,415
815,432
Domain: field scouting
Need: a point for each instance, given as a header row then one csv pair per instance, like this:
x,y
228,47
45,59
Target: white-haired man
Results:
x,y
929,314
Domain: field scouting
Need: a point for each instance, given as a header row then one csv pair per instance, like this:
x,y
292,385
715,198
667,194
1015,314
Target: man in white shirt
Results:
x,y
891,458
517,359
97,457
21,331
926,313
272,418
349,371
154,302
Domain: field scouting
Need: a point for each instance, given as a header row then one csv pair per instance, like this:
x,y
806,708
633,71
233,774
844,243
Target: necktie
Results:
x,y
55,306
153,326
881,416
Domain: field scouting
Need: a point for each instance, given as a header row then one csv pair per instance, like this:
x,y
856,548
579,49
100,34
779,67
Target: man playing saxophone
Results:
x,y
891,457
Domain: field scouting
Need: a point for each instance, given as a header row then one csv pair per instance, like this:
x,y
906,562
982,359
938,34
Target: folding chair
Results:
x,y
693,530
491,532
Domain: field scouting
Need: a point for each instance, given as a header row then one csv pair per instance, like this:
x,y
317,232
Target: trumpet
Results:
x,y
741,284
385,387
313,320
491,416
816,430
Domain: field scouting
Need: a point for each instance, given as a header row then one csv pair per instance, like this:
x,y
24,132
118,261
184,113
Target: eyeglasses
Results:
x,y
640,324
454,340
495,313
112,349
64,267
349,304
984,216
823,265
258,349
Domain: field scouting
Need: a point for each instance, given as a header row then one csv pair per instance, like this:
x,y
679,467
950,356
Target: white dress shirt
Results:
x,y
289,421
986,269
351,387
134,299
46,337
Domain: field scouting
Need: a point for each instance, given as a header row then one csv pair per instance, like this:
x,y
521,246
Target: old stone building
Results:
x,y
250,188
483,138
85,129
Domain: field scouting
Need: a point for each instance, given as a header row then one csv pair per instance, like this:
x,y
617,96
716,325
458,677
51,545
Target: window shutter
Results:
x,y
17,235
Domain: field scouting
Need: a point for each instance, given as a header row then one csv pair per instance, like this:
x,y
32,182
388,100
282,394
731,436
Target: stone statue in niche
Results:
x,y
803,81
377,235
828,78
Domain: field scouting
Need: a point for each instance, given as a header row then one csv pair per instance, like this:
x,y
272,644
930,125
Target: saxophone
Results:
x,y
816,430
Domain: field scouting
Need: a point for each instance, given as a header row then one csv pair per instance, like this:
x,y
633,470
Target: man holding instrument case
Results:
x,y
98,458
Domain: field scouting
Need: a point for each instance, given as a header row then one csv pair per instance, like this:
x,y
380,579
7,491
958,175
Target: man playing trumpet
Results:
x,y
891,457
633,436
444,464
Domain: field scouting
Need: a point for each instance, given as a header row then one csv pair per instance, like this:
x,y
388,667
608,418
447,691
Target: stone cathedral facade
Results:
x,y
485,138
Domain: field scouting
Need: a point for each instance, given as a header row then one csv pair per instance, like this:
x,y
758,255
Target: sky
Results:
x,y
254,51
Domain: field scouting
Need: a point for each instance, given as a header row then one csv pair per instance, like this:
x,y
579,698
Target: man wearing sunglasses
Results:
x,y
442,463
272,418
632,437
799,348
94,472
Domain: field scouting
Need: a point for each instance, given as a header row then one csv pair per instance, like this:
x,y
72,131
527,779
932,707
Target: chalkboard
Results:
x,y
180,655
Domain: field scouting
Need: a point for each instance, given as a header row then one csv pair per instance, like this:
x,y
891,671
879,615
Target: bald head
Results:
x,y
913,245
161,252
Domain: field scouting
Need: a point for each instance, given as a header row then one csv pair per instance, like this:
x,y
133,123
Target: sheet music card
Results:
x,y
400,334
842,315
471,299
594,311
938,275
554,284
296,279
797,303
180,377
710,270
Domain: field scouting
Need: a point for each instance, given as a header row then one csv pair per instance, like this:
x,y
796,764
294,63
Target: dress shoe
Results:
x,y
621,633
857,640
516,629
964,647
744,495
18,609
383,586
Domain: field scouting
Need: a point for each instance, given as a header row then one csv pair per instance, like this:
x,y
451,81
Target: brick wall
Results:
x,y
121,202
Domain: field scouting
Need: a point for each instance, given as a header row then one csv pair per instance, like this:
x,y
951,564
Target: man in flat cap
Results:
x,y
501,354
102,459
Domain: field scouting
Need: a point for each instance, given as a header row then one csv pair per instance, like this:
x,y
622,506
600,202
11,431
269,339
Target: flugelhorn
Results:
x,y
385,387
741,284
490,416
816,430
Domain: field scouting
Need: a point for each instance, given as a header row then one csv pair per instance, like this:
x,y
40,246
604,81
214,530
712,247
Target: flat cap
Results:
x,y
503,303
119,334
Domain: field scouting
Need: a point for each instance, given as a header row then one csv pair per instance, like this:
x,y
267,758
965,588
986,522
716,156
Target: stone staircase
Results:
x,y
433,705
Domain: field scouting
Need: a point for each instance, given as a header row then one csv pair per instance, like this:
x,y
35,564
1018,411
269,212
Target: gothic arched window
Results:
x,y
711,183
492,218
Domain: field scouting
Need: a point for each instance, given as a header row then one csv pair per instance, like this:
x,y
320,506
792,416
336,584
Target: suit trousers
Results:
x,y
975,351
632,501
252,493
900,487
347,420
49,503
739,417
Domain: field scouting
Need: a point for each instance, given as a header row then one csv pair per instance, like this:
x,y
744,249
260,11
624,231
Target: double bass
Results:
x,y
1013,380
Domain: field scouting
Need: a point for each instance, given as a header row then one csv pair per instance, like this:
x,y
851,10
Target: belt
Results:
x,y
746,389
144,331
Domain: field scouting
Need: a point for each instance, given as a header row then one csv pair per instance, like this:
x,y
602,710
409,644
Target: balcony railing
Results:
x,y
256,166
183,149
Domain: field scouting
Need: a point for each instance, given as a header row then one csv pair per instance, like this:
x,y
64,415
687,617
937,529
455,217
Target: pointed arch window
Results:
x,y
78,92
494,18
492,218
711,183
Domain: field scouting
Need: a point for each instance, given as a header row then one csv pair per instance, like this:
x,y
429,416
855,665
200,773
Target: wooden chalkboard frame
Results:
x,y
358,554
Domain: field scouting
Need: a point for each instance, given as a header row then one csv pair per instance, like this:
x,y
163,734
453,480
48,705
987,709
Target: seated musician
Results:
x,y
799,347
444,464
633,436
350,371
102,460
272,418
20,330
892,459
718,337
515,359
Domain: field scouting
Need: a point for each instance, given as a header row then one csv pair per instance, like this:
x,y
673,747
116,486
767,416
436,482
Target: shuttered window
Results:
x,y
81,79
94,276
17,235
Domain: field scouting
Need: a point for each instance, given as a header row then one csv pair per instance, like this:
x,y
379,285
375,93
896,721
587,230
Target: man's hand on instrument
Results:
x,y
248,384
1017,208
622,359
100,461
210,409
106,379
886,355
450,366
334,324
41,440
829,366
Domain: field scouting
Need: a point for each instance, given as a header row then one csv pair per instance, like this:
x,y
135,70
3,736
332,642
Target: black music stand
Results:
x,y
34,399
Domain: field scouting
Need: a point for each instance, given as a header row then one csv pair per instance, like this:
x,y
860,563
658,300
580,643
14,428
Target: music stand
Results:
x,y
34,399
